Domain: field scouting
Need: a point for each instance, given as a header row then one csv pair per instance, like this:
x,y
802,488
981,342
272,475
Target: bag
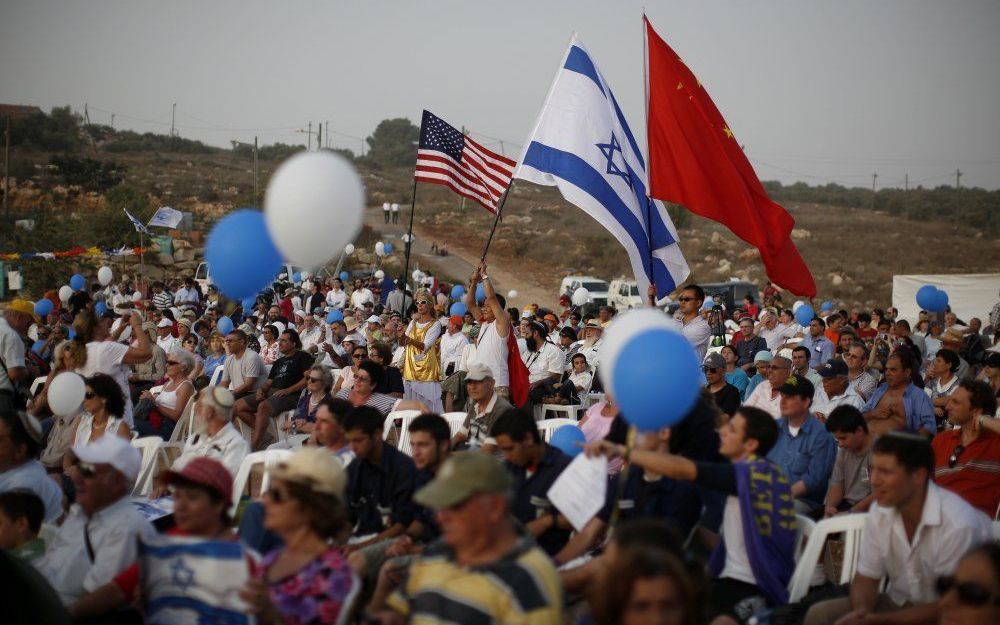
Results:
x,y
142,409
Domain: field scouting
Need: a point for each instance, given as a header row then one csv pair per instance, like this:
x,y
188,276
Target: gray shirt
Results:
x,y
250,365
477,426
853,472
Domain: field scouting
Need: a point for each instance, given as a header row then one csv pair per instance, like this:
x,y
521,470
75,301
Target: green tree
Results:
x,y
394,143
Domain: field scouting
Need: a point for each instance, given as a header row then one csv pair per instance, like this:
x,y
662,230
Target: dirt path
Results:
x,y
460,261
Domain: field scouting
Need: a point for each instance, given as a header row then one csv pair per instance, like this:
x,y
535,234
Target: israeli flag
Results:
x,y
192,580
166,217
582,144
139,226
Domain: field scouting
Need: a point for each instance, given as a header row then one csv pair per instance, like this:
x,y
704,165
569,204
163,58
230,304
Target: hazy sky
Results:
x,y
816,90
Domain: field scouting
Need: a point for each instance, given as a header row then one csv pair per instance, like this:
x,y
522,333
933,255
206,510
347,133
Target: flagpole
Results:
x,y
409,243
503,201
645,102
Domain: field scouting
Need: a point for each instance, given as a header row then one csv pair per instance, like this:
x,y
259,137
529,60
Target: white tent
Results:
x,y
969,295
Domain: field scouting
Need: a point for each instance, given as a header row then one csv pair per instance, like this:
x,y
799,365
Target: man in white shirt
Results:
x,y
774,334
544,361
453,342
97,541
164,339
187,294
694,327
593,340
106,355
491,347
214,435
14,324
312,332
835,390
766,396
336,298
20,444
915,533
360,295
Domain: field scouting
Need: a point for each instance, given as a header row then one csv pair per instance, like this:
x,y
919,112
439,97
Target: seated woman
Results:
x,y
103,407
169,403
307,580
216,356
191,343
392,383
319,381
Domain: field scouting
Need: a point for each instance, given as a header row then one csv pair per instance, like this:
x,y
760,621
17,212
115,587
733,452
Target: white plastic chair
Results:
x,y
183,426
804,527
268,458
996,530
403,436
851,525
150,448
347,606
455,421
216,376
547,426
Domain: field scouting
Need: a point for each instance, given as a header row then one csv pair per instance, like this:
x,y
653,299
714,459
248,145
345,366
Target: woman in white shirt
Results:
x,y
103,405
172,398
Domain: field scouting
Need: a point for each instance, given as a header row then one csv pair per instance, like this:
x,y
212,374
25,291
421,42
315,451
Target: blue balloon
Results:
x,y
100,308
344,276
224,325
248,303
457,291
37,347
804,314
939,301
709,303
335,315
243,258
296,277
387,247
656,379
826,306
458,308
72,334
77,282
43,307
480,294
927,297
568,439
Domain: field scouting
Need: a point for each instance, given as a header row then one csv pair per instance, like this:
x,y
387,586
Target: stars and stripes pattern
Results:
x,y
445,156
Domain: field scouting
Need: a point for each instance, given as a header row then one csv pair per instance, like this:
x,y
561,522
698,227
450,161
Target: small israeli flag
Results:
x,y
139,226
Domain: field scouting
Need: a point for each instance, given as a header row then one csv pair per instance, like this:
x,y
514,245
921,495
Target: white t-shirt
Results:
x,y
698,333
106,357
336,298
31,476
360,296
543,363
237,370
492,352
737,565
451,348
11,352
761,398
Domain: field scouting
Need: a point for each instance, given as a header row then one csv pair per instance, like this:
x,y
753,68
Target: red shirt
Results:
x,y
976,474
868,333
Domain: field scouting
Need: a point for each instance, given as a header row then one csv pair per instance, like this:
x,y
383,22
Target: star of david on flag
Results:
x,y
582,144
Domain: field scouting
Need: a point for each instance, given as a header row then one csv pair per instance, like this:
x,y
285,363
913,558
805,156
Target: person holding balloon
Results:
x,y
422,355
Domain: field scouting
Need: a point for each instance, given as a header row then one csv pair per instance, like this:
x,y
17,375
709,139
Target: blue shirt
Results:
x,y
381,495
738,378
820,349
919,409
807,456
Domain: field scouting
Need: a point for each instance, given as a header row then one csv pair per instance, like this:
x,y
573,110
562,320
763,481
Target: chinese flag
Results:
x,y
695,161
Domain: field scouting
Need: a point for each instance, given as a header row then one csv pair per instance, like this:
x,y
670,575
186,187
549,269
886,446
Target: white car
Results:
x,y
624,294
203,276
598,288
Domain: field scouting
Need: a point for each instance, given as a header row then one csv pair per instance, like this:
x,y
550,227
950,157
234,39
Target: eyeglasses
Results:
x,y
362,378
423,301
90,395
685,299
953,458
312,379
969,593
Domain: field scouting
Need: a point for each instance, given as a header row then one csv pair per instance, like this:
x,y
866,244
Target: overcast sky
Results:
x,y
816,91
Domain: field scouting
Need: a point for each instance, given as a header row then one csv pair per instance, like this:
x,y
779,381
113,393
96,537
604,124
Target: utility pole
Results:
x,y
874,178
906,182
327,133
86,115
958,178
319,139
112,121
173,113
256,201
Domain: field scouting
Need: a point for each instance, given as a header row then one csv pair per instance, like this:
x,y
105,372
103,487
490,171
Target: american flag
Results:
x,y
446,156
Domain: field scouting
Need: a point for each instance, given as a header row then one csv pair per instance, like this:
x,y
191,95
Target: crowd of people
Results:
x,y
858,412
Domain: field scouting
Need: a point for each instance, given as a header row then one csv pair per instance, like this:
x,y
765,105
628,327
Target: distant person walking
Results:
x,y
395,213
386,209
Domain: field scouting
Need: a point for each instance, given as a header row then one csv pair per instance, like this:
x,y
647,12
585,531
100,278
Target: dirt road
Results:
x,y
459,262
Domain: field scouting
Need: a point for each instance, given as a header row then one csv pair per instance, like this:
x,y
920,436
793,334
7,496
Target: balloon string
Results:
x,y
622,478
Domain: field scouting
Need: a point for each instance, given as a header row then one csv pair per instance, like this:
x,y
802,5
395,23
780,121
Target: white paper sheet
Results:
x,y
580,490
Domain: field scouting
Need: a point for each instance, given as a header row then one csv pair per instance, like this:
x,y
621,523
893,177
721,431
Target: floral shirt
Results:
x,y
315,594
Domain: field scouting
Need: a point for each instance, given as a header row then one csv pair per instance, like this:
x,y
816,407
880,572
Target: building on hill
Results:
x,y
18,111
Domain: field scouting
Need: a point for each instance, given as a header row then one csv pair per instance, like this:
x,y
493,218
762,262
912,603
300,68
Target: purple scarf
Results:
x,y
768,527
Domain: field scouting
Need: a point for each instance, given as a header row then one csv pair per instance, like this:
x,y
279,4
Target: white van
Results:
x,y
203,276
624,294
598,288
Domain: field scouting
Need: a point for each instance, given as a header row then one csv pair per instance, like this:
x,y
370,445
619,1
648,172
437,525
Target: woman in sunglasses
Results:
x,y
422,359
269,349
192,344
972,595
169,403
103,407
319,381
346,380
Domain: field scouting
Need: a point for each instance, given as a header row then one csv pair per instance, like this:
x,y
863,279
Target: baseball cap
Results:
x,y
797,385
373,319
715,360
461,476
763,356
832,368
114,450
315,468
478,372
455,319
165,323
206,472
25,307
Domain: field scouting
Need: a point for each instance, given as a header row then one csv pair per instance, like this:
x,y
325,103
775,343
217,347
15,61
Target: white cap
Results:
x,y
165,323
114,450
373,319
478,372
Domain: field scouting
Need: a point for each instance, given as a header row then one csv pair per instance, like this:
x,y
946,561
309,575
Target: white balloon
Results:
x,y
380,249
512,294
349,249
137,296
105,276
305,275
66,393
625,326
580,296
65,292
320,189
379,274
798,304
417,275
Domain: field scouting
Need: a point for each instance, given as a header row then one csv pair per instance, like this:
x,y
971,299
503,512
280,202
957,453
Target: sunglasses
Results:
x,y
312,379
969,593
173,362
90,395
278,495
709,369
953,458
358,356
685,299
423,301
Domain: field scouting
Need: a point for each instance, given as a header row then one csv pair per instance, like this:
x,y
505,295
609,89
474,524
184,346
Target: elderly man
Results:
x,y
453,342
805,451
748,345
14,324
214,435
593,340
485,408
766,396
834,390
821,348
774,333
164,336
312,333
98,538
858,377
694,327
20,444
482,554
897,404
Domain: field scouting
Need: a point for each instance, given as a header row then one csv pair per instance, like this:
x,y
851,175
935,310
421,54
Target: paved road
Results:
x,y
455,264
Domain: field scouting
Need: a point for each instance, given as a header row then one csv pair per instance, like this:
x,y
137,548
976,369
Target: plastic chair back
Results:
x,y
268,458
547,426
852,526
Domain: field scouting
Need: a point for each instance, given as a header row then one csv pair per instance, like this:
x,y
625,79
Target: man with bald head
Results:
x,y
766,396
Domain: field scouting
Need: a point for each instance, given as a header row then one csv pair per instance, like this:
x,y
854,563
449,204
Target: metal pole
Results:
x,y
503,200
319,138
256,200
6,172
409,243
173,113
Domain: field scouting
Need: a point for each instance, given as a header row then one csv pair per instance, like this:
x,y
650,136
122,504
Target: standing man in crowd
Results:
x,y
821,349
694,327
14,324
492,347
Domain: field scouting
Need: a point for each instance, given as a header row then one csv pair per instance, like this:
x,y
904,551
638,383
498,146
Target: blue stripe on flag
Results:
x,y
579,61
217,550
206,613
